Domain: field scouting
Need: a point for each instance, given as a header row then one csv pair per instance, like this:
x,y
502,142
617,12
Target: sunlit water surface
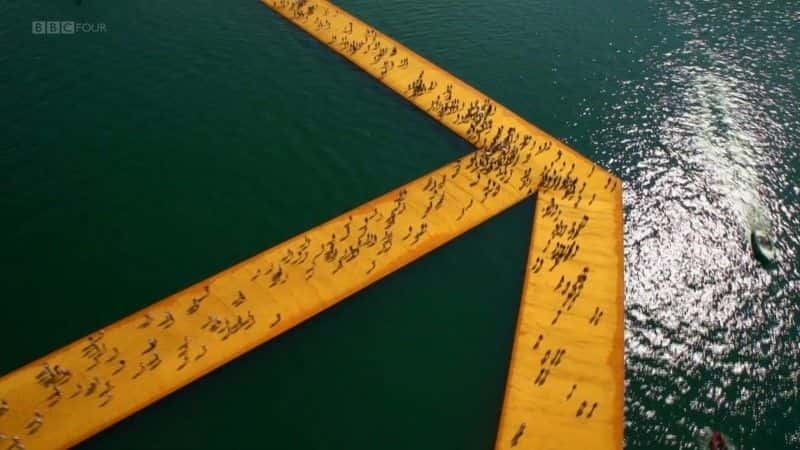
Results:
x,y
707,142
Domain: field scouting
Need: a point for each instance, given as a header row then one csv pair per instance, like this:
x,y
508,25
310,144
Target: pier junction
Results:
x,y
565,381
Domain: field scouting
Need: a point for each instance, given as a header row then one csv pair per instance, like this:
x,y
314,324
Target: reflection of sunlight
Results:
x,y
716,141
686,241
694,293
706,142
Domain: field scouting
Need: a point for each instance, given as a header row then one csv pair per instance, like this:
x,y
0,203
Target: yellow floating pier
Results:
x,y
565,386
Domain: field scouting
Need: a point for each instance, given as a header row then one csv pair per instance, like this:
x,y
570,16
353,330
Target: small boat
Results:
x,y
762,247
717,442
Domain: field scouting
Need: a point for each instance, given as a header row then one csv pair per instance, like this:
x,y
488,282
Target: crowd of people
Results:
x,y
502,152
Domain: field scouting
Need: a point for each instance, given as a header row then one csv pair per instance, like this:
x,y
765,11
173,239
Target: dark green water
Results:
x,y
191,135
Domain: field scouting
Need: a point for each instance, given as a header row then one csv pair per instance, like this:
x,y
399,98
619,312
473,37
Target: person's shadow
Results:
x,y
78,2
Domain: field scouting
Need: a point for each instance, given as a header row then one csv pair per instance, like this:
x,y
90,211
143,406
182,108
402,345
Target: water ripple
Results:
x,y
711,336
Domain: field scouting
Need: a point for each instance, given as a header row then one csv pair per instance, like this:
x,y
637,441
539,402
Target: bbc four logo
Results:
x,y
65,27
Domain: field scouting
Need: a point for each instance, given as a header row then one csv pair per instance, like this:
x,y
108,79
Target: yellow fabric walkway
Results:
x,y
565,387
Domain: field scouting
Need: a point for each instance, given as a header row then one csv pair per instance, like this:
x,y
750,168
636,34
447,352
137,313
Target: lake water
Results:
x,y
181,137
